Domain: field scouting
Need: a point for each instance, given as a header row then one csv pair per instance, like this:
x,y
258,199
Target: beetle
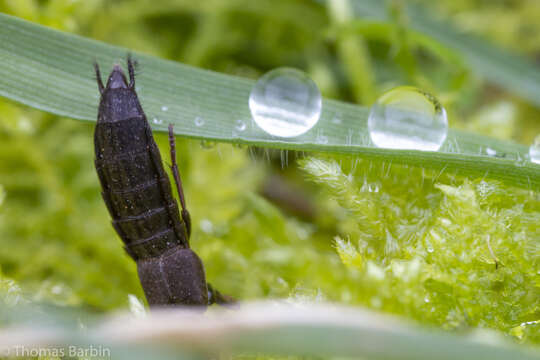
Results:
x,y
138,195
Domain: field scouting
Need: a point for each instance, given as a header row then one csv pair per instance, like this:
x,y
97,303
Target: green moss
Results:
x,y
448,251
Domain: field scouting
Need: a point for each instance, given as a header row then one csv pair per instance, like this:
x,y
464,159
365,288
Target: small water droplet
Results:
x,y
199,121
207,226
408,118
426,299
534,150
25,125
164,108
157,121
429,246
285,102
491,152
240,125
336,120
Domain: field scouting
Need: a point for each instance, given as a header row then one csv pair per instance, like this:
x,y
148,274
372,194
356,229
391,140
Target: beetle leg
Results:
x,y
180,230
215,297
176,174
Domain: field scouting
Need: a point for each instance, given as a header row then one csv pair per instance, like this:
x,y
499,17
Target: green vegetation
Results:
x,y
448,239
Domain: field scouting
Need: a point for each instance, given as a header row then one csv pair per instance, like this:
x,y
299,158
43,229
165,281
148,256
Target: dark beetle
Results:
x,y
139,197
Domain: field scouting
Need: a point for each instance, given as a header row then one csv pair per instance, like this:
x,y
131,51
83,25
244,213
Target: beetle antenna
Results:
x,y
98,78
131,70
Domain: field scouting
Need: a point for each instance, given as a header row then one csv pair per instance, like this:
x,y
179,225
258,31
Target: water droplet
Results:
x,y
426,299
408,118
336,120
157,121
199,121
285,102
164,108
25,125
534,150
491,152
428,246
240,125
207,226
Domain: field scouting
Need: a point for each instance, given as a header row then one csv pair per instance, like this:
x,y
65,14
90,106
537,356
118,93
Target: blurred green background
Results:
x,y
57,244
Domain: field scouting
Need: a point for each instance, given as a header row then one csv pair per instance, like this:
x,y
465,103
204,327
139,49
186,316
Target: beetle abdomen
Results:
x,y
176,277
136,188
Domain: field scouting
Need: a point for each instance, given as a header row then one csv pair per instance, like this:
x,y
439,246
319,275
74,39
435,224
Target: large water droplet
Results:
x,y
534,150
408,118
285,102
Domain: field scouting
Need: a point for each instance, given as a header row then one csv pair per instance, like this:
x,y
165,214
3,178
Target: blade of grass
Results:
x,y
273,328
511,72
353,54
52,71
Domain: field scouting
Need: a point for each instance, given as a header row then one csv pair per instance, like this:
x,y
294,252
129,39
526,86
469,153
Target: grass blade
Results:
x,y
52,71
271,328
511,72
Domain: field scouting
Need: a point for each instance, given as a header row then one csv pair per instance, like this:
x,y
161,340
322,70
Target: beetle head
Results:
x,y
117,79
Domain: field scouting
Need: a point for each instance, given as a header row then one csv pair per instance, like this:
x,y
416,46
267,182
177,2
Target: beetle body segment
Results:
x,y
174,277
138,195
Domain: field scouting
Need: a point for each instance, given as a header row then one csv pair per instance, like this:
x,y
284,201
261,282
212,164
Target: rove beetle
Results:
x,y
138,195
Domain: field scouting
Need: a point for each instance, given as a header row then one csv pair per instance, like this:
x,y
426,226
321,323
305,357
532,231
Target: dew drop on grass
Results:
x,y
164,108
408,118
534,150
336,120
240,125
285,102
491,152
199,121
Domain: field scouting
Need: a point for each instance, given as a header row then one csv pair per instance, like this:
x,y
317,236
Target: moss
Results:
x,y
456,253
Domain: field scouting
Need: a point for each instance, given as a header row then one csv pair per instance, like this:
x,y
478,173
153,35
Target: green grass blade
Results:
x,y
52,71
273,328
511,72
